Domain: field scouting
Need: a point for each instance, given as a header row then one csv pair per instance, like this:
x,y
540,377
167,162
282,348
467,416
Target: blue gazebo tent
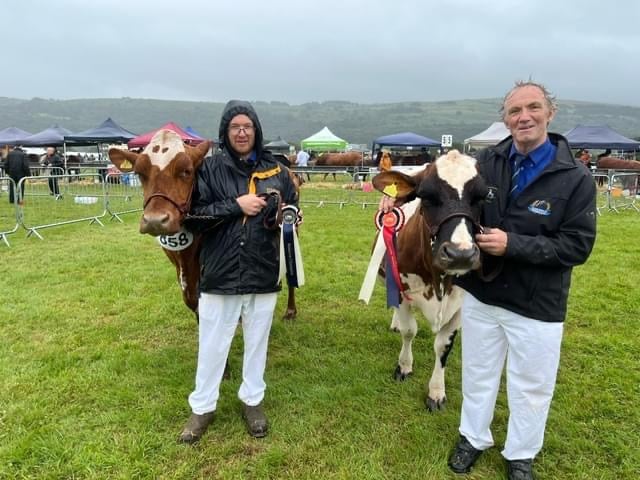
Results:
x,y
599,136
50,137
405,139
107,132
13,136
193,133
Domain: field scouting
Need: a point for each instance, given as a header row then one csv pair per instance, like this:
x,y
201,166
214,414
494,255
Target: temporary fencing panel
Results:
x,y
57,200
623,190
124,194
8,211
603,191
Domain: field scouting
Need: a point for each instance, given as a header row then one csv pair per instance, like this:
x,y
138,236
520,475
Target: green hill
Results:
x,y
357,123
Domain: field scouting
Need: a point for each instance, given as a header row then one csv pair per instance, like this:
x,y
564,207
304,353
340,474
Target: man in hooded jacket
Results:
x,y
240,188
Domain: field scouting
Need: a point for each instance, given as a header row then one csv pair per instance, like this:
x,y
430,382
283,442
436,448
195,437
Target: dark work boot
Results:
x,y
520,469
256,420
195,427
464,456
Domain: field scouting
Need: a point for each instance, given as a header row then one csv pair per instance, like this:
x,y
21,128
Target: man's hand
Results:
x,y
251,204
386,203
493,241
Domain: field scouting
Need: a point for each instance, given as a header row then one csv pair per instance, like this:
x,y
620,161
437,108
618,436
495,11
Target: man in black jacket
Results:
x,y
540,221
240,188
16,166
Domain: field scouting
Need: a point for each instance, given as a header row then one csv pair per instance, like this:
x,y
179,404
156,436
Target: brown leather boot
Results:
x,y
195,427
256,420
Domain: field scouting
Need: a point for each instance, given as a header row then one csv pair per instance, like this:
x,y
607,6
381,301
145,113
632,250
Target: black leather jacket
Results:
x,y
551,227
241,254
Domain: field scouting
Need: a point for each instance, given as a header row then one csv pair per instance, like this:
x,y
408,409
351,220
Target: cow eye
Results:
x,y
186,173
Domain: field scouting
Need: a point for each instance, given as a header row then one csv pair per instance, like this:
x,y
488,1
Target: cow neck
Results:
x,y
439,281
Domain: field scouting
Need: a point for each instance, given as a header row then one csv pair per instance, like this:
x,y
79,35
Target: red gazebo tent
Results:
x,y
144,139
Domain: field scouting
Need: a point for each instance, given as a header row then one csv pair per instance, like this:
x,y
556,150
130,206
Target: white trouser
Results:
x,y
532,350
218,316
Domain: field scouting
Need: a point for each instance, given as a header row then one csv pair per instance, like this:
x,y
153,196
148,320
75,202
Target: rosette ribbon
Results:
x,y
290,255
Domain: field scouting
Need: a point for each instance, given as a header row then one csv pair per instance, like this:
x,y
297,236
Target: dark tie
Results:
x,y
517,168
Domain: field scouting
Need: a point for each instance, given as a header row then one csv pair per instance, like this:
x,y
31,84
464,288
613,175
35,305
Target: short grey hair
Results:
x,y
548,96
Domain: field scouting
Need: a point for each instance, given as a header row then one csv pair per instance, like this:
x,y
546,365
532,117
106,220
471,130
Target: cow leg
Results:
x,y
292,311
442,344
395,323
408,328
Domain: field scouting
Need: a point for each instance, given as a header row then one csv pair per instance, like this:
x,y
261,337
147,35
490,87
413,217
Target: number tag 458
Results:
x,y
176,242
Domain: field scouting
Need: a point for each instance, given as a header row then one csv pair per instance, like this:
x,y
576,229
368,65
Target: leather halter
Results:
x,y
182,208
434,229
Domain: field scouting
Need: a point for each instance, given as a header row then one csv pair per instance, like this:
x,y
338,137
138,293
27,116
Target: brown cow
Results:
x,y
167,170
347,159
615,163
443,201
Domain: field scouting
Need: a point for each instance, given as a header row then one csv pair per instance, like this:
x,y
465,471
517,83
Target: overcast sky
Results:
x,y
297,51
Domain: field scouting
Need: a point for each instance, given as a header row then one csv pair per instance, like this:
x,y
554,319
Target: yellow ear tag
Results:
x,y
391,190
125,165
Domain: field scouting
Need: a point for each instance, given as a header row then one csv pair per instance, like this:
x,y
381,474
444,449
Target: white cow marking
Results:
x,y
163,148
456,169
461,236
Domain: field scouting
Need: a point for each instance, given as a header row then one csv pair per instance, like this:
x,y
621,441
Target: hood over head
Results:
x,y
231,109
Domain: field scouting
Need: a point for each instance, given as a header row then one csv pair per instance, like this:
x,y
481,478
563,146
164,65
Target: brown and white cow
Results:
x,y
443,201
167,170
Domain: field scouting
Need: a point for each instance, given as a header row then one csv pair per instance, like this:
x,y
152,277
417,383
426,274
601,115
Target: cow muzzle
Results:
x,y
159,223
455,260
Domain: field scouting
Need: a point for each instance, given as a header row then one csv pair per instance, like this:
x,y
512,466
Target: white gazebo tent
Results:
x,y
487,138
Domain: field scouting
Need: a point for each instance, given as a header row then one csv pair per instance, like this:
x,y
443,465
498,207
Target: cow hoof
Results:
x,y
289,315
399,375
435,405
395,329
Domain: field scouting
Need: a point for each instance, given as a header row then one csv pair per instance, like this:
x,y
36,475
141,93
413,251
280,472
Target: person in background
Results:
x,y
240,187
302,159
585,157
16,166
55,167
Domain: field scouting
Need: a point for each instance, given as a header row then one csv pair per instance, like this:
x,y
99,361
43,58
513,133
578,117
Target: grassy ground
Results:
x,y
97,357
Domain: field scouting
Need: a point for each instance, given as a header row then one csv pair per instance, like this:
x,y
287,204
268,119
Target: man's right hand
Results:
x,y
251,204
386,203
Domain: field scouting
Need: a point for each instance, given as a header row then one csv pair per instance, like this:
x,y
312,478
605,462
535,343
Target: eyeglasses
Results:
x,y
235,129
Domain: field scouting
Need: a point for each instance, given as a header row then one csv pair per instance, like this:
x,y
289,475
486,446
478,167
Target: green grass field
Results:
x,y
97,357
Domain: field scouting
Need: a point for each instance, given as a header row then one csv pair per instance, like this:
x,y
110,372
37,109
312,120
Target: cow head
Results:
x,y
451,192
166,168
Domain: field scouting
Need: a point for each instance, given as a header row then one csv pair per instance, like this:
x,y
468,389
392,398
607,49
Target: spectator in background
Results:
x,y
302,160
585,157
16,166
55,167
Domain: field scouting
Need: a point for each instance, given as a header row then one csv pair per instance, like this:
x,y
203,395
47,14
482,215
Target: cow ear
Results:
x,y
124,160
198,152
395,184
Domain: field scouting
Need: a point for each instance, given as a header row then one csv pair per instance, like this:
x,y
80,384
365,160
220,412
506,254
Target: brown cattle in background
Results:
x,y
346,159
615,163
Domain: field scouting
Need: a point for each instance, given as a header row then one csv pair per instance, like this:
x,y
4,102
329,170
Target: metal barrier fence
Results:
x,y
56,200
603,191
9,212
124,194
623,190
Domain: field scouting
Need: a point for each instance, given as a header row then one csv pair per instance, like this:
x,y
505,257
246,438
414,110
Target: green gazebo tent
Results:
x,y
324,141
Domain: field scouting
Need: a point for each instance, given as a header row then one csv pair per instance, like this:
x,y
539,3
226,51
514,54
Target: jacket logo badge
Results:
x,y
540,207
491,194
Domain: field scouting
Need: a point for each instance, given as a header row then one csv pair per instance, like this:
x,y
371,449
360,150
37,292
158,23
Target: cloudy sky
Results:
x,y
298,51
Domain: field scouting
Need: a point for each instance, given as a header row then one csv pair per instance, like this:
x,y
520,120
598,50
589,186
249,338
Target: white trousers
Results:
x,y
218,316
532,351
